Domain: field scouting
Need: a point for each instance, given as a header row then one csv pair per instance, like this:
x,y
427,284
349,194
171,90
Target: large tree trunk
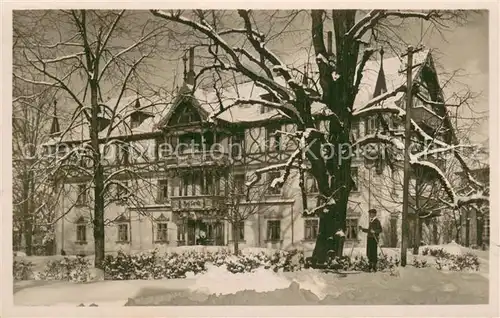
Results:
x,y
98,225
339,96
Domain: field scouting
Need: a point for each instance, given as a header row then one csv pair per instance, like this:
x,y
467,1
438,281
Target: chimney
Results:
x,y
304,77
330,43
184,60
55,129
190,73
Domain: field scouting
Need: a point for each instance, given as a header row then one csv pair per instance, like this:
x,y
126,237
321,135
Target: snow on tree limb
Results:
x,y
288,109
367,53
378,109
380,98
214,36
375,16
259,35
287,166
53,84
58,59
366,19
379,138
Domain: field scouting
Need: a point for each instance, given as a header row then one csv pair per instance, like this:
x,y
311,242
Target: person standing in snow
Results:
x,y
374,229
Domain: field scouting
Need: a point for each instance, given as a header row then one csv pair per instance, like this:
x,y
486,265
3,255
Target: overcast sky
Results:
x,y
464,48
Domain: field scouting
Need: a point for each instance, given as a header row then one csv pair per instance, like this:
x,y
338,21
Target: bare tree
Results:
x,y
32,192
88,56
242,202
240,42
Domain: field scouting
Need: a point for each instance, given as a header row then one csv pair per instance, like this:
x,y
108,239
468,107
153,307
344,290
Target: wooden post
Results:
x,y
417,225
406,180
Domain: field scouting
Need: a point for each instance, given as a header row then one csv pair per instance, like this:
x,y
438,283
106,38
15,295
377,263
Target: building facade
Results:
x,y
186,166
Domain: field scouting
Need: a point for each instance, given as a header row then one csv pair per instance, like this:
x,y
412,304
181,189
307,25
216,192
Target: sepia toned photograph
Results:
x,y
298,157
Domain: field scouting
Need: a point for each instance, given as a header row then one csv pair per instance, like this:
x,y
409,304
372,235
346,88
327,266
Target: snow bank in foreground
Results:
x,y
219,281
310,280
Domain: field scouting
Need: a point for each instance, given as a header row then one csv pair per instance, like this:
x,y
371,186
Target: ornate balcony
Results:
x,y
195,158
198,203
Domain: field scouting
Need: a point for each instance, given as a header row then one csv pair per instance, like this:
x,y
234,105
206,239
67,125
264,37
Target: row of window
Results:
x,y
204,183
273,232
123,232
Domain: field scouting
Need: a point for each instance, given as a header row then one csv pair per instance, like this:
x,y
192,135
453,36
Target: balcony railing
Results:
x,y
190,158
197,203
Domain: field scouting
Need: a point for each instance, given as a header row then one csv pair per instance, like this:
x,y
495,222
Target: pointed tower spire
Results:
x,y
381,85
55,128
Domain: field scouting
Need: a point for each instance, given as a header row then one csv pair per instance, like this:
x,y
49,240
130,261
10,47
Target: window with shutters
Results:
x,y
123,232
81,230
162,232
274,230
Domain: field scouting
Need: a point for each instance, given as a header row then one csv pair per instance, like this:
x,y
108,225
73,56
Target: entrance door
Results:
x,y
191,239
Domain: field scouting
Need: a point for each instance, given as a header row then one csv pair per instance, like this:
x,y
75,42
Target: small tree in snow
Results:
x,y
242,202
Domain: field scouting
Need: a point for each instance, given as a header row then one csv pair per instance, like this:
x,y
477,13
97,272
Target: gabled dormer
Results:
x,y
138,115
185,114
102,119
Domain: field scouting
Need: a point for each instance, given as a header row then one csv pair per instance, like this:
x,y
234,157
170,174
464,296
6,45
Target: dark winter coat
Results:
x,y
374,226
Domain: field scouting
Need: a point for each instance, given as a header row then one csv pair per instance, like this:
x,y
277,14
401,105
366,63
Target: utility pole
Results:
x,y
406,179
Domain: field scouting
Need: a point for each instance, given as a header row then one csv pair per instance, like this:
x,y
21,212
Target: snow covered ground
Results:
x,y
413,286
217,287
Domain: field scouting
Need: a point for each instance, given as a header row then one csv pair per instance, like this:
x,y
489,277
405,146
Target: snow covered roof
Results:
x,y
154,108
208,102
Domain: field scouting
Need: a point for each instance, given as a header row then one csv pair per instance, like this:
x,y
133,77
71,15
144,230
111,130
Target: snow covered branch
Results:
x,y
259,35
367,54
375,16
59,59
378,100
215,37
379,138
259,46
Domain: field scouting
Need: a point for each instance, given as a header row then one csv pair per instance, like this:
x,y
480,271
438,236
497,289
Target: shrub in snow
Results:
x,y
70,269
360,263
191,262
22,270
452,261
465,262
436,252
418,263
